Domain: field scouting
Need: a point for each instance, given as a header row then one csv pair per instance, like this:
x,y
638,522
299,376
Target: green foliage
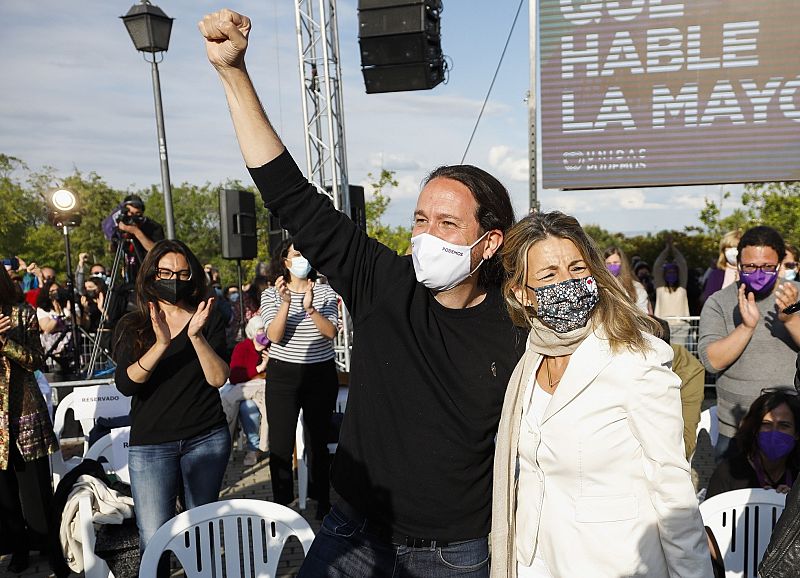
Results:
x,y
397,238
774,204
196,212
25,230
699,249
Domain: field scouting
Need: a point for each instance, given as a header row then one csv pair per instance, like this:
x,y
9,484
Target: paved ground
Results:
x,y
254,482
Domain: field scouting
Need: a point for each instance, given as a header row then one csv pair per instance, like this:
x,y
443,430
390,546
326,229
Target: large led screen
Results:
x,y
662,92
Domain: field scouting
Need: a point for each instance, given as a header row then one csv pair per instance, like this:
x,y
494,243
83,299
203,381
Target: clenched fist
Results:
x,y
225,34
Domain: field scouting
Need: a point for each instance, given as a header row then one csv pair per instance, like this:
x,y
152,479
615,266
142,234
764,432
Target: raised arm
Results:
x,y
358,268
683,269
658,268
225,34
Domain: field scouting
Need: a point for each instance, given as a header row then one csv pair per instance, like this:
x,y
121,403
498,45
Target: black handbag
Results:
x,y
782,558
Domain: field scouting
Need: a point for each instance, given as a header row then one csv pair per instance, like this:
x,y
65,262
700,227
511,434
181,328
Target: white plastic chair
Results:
x,y
742,522
252,534
710,424
93,565
113,404
300,445
114,460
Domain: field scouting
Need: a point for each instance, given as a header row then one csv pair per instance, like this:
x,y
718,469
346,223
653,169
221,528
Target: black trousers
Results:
x,y
26,497
290,387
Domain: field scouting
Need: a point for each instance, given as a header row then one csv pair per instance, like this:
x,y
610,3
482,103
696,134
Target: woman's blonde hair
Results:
x,y
729,239
621,319
625,277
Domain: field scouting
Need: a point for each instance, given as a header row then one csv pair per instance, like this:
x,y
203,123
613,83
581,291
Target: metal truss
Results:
x,y
323,119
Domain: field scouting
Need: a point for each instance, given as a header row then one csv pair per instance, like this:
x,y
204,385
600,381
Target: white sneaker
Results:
x,y
250,458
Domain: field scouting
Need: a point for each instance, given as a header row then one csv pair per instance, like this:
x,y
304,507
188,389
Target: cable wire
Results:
x,y
491,86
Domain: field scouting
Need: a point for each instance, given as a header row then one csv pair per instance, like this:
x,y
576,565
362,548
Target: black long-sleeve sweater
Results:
x,y
427,382
176,402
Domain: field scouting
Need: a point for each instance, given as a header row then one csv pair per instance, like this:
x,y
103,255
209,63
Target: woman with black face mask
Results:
x,y
169,356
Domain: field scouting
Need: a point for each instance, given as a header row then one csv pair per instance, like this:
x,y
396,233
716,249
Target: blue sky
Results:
x,y
77,94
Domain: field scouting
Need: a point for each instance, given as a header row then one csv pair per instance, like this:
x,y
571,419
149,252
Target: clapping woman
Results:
x,y
301,318
169,356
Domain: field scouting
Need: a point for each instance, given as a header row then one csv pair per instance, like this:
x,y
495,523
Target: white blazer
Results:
x,y
609,491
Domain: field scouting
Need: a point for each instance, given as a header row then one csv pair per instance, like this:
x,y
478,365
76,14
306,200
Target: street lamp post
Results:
x,y
150,28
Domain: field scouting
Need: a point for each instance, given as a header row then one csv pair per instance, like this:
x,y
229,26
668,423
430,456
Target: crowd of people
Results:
x,y
514,388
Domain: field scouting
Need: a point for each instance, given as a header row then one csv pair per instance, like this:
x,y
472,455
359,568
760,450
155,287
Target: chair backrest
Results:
x,y
710,424
252,532
111,451
102,451
88,403
742,522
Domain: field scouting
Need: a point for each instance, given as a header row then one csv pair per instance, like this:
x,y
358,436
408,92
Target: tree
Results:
x,y
774,204
397,238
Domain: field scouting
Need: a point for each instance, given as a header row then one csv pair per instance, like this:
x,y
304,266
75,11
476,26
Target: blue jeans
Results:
x,y
250,418
157,472
344,548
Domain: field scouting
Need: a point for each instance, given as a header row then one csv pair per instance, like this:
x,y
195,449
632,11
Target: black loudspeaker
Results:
x,y
420,17
400,43
358,211
399,49
275,233
237,218
400,77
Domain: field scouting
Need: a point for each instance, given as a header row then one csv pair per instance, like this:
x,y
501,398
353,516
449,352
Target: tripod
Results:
x,y
76,352
104,313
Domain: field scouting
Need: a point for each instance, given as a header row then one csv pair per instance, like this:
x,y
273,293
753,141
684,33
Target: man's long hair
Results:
x,y
494,211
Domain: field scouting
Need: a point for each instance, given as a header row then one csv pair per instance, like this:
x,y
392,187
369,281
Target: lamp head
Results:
x,y
148,27
64,208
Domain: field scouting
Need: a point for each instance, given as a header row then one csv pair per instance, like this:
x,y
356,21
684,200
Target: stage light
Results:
x,y
64,208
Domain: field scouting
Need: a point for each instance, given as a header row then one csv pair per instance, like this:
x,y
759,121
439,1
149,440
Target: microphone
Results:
x,y
794,308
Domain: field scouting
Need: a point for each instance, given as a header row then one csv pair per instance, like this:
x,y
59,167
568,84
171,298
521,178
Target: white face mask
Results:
x,y
730,255
300,267
440,265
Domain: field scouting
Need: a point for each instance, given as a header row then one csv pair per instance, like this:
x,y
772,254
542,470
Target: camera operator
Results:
x,y
137,232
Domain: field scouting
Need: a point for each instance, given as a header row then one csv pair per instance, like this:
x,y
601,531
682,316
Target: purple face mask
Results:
x,y
775,444
758,281
614,268
262,339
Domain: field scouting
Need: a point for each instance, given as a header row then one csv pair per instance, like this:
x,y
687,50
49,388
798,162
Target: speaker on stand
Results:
x,y
237,219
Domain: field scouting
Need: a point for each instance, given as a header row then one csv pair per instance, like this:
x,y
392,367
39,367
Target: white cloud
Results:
x,y
509,164
394,162
600,200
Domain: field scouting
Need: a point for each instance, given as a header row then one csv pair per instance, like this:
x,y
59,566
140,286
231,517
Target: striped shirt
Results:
x,y
302,342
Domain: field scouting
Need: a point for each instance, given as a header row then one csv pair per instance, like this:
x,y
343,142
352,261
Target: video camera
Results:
x,y
128,219
12,262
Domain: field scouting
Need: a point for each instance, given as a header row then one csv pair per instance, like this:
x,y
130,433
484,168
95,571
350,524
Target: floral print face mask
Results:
x,y
567,305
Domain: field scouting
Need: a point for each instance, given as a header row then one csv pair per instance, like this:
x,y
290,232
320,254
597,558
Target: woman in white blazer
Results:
x,y
590,474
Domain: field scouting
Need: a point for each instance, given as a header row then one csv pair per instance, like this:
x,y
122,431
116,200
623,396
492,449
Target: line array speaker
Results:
x,y
400,44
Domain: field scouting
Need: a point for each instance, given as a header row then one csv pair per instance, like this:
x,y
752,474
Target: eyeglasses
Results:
x,y
786,390
790,265
166,274
752,268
